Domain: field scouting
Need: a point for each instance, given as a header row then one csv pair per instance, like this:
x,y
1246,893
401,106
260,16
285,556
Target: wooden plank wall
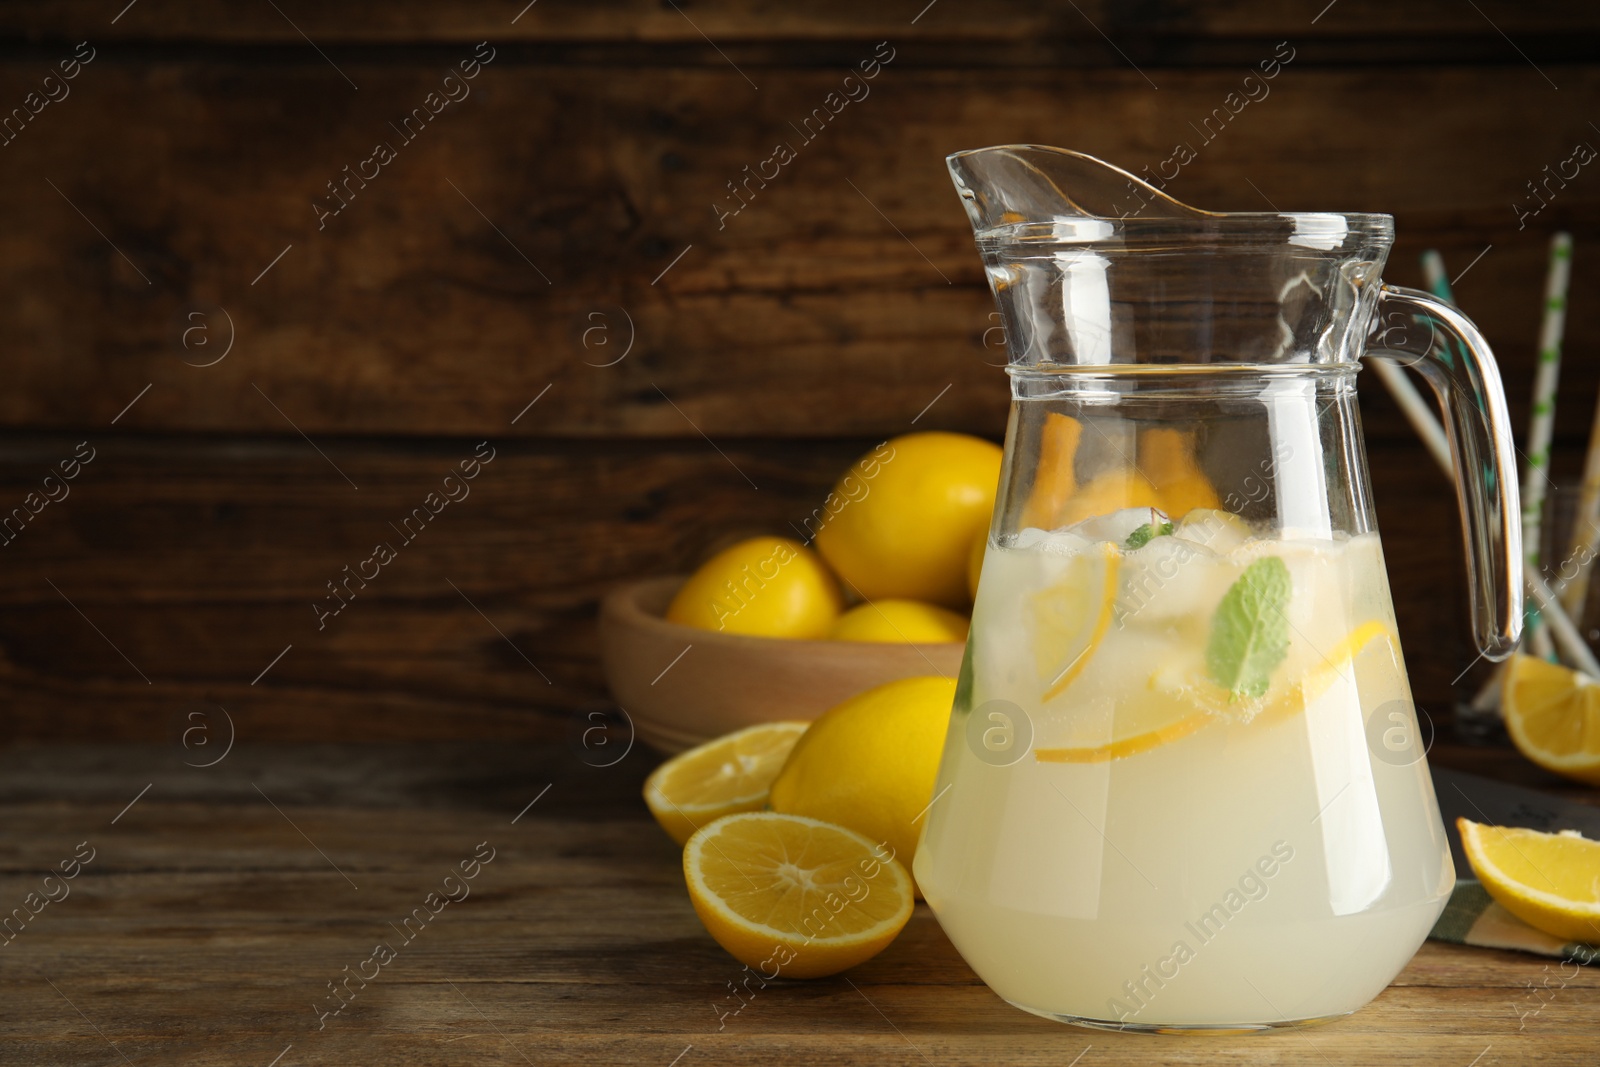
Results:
x,y
299,378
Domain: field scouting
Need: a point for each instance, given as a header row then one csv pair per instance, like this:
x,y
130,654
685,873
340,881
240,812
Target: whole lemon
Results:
x,y
899,621
765,586
900,523
870,763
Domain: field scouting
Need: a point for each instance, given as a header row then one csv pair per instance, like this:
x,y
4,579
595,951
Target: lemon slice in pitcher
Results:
x,y
1179,700
1147,721
1070,617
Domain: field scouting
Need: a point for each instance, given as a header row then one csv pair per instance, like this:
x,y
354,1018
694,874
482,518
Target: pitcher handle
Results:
x,y
1446,348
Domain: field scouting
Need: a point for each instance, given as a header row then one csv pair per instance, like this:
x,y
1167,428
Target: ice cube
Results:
x,y
1118,526
1055,542
1320,597
1220,531
1171,578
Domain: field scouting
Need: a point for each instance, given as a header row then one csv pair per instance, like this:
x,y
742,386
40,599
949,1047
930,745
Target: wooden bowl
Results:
x,y
682,686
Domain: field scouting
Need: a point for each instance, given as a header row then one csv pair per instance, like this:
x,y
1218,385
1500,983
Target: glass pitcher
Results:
x,y
1183,786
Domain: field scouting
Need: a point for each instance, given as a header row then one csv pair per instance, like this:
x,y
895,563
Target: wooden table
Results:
x,y
222,902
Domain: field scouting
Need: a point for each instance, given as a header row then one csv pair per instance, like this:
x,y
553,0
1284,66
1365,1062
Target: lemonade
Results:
x,y
1182,785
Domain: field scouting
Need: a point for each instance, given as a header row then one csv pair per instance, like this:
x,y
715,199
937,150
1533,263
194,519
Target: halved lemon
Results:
x,y
1180,701
795,896
1071,615
1549,881
720,777
1553,715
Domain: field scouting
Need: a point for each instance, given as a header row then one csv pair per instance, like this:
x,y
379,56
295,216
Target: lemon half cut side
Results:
x,y
794,895
730,774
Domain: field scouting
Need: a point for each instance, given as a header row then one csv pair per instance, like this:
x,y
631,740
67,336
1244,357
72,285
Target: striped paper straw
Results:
x,y
1416,409
1536,460
1433,275
1567,636
1585,525
1487,699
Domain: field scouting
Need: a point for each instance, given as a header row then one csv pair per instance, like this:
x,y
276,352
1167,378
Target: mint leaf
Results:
x,y
1141,537
1250,632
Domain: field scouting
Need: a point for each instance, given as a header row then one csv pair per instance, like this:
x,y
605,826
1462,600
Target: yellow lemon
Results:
x,y
870,762
900,523
793,897
765,586
720,777
899,621
1553,716
1549,881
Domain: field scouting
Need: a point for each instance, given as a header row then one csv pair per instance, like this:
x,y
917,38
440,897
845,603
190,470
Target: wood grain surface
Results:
x,y
194,566
482,265
167,295
1013,22
222,902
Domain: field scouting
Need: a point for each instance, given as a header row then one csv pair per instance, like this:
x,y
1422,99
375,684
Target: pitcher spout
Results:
x,y
1093,265
1010,184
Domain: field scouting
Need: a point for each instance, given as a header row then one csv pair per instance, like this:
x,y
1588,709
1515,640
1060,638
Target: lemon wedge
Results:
x,y
1054,481
1549,881
1111,490
1553,715
1167,458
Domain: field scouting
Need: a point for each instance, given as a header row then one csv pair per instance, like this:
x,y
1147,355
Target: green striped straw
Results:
x,y
1566,634
1585,526
1409,398
1536,460
1433,275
